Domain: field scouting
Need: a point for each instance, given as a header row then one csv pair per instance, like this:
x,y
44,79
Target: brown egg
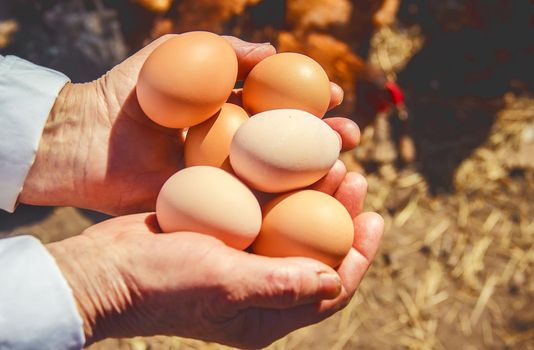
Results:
x,y
283,150
208,200
305,223
208,143
287,80
187,79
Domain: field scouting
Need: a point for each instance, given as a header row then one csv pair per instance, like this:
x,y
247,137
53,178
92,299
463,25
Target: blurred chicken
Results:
x,y
341,64
387,14
208,15
7,29
378,96
158,6
319,14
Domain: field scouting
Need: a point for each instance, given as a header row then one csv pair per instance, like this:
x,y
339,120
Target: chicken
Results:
x,y
320,14
158,6
208,15
7,29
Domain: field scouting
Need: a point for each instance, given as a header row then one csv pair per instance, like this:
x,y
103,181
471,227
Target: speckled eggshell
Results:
x,y
283,150
208,200
187,79
208,143
308,224
287,80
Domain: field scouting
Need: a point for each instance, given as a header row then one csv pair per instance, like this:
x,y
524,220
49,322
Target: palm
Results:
x,y
140,155
231,297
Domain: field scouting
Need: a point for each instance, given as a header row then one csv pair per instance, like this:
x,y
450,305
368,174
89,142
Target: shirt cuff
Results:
x,y
27,94
37,308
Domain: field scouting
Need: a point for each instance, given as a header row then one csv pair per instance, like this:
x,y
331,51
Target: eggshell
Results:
x,y
208,143
305,223
187,79
283,150
287,80
208,200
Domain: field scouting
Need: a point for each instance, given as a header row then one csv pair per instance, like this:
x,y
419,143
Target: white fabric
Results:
x,y
37,308
27,94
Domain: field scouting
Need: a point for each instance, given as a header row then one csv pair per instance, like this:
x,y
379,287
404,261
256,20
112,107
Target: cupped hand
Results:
x,y
128,280
100,151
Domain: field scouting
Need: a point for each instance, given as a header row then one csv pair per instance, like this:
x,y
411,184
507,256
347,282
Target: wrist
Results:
x,y
52,178
99,291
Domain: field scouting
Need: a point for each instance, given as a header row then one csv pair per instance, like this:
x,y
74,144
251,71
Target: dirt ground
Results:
x,y
456,266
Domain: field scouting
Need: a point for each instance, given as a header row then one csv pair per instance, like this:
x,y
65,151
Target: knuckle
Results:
x,y
286,283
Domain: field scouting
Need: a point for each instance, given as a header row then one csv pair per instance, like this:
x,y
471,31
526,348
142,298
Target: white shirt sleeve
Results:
x,y
27,94
37,308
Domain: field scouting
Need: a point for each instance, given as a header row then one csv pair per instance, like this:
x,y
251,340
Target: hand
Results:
x,y
128,280
100,151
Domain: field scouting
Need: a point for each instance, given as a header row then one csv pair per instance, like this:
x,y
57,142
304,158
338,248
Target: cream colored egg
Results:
x,y
306,223
283,150
208,200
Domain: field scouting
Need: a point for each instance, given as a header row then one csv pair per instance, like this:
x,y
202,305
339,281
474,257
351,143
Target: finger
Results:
x,y
277,323
351,193
336,96
280,283
249,54
368,231
274,324
331,181
347,129
352,269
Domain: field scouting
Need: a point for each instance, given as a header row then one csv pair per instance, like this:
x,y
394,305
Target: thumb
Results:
x,y
281,283
249,54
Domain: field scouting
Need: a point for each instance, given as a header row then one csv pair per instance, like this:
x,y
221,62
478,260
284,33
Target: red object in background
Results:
x,y
395,92
389,96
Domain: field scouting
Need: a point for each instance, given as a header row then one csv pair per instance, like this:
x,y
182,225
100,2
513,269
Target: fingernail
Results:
x,y
330,284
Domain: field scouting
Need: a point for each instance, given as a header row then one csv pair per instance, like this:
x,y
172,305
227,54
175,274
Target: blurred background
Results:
x,y
443,93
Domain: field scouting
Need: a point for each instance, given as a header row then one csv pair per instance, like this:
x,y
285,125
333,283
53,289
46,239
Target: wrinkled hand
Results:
x,y
130,281
100,151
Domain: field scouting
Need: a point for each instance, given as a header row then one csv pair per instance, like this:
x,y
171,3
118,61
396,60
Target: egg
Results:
x,y
208,143
283,150
208,200
187,79
308,224
287,80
